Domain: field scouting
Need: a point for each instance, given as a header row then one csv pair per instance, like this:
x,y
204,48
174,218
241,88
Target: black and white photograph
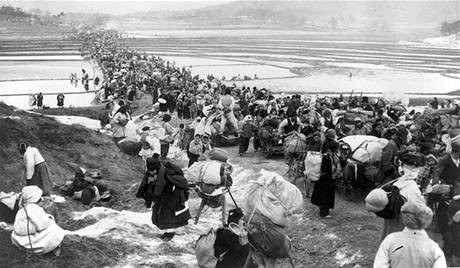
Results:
x,y
230,133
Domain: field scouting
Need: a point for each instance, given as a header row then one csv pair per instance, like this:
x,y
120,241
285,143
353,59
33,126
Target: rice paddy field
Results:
x,y
39,59
310,62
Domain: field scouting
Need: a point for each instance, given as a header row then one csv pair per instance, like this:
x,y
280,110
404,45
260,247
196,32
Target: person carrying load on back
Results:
x,y
324,189
226,105
36,170
166,191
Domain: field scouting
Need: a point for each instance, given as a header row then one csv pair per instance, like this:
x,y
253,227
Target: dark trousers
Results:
x,y
244,144
323,211
164,149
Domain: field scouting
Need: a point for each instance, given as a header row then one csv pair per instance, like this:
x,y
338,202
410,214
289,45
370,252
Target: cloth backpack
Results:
x,y
395,202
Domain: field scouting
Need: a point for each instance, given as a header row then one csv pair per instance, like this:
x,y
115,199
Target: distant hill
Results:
x,y
379,15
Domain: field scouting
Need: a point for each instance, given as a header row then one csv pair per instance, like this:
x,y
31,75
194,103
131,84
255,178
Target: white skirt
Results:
x,y
42,242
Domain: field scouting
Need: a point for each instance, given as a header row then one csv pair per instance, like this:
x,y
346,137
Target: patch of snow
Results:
x,y
343,258
359,65
451,41
57,198
40,57
78,120
331,236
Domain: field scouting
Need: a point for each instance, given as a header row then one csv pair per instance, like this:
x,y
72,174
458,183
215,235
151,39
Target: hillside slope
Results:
x,y
65,148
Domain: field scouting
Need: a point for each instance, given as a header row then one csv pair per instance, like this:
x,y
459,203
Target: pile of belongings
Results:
x,y
273,197
9,206
364,155
87,186
295,143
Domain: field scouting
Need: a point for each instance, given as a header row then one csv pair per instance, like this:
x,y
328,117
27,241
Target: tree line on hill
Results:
x,y
449,28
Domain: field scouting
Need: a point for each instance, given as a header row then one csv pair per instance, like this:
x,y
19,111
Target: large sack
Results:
x,y
204,250
218,155
130,147
211,172
273,197
295,143
269,238
130,131
313,165
208,172
367,149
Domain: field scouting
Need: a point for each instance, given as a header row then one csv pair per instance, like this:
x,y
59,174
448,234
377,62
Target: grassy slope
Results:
x,y
65,148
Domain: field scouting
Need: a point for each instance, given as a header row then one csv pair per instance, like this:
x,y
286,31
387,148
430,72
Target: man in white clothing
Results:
x,y
411,247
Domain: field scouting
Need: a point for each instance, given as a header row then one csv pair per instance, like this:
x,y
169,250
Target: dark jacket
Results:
x,y
448,172
388,162
228,246
170,194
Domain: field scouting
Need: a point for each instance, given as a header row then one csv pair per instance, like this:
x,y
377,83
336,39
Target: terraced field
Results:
x,y
37,59
309,62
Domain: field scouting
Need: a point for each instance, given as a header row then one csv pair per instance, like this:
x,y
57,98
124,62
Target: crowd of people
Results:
x,y
218,109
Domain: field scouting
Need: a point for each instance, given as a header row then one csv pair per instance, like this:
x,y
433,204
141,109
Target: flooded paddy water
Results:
x,y
302,61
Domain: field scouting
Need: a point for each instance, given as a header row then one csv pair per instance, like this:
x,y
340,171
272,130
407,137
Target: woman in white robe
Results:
x,y
34,230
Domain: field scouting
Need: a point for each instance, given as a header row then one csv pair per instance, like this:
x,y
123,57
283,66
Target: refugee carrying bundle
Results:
x,y
273,197
313,165
295,143
208,172
393,202
204,250
268,238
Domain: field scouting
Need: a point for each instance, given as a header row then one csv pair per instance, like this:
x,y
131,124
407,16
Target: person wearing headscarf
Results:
x,y
169,196
36,169
411,247
360,128
35,230
324,189
119,121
